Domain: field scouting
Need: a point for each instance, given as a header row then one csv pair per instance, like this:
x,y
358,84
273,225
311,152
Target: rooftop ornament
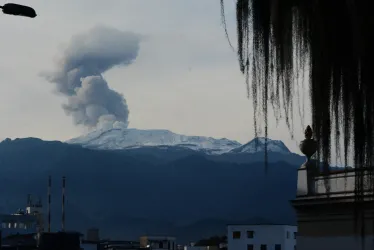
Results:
x,y
308,146
309,169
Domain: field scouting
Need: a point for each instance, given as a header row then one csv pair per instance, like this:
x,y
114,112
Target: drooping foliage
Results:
x,y
334,41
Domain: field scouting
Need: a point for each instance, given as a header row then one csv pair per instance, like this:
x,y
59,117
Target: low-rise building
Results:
x,y
261,237
158,242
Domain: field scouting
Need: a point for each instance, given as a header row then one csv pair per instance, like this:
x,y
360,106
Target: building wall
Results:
x,y
291,236
332,225
269,235
331,243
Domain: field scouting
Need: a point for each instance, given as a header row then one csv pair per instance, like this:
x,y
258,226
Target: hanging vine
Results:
x,y
334,40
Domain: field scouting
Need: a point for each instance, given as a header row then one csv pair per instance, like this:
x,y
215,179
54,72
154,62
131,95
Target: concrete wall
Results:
x,y
332,243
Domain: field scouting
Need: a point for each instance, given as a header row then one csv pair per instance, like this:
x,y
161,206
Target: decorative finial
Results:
x,y
308,132
308,146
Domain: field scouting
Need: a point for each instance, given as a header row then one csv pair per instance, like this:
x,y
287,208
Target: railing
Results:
x,y
335,183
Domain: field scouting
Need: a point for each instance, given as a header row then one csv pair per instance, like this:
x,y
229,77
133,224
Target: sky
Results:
x,y
186,78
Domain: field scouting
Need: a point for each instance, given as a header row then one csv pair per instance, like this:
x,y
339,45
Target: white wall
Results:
x,y
269,235
332,243
290,243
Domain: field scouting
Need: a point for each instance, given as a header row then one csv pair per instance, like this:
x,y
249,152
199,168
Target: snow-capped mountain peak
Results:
x,y
258,144
119,138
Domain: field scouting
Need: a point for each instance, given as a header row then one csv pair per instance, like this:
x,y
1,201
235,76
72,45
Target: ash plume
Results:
x,y
90,101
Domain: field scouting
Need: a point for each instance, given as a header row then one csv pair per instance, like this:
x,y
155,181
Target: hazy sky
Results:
x,y
185,79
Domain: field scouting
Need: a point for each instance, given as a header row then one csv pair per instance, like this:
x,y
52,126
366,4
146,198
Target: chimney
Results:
x,y
49,203
63,203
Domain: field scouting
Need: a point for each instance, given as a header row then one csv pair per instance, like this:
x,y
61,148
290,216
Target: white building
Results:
x,y
261,237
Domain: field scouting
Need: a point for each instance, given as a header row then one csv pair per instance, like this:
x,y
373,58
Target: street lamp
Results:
x,y
18,10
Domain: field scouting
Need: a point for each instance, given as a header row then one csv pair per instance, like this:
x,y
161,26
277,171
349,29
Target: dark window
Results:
x,y
278,247
169,245
250,234
294,235
295,247
250,247
288,235
263,247
160,245
236,235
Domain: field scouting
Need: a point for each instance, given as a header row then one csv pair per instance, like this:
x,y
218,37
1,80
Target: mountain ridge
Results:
x,y
124,139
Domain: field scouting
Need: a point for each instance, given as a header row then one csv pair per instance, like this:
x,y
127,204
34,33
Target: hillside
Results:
x,y
126,194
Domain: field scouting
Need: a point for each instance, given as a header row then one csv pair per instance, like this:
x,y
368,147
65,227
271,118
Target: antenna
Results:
x,y
49,203
63,203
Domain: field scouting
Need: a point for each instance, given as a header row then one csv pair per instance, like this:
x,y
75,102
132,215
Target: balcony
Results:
x,y
335,184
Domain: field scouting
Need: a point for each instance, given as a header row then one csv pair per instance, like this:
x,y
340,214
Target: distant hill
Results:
x,y
149,190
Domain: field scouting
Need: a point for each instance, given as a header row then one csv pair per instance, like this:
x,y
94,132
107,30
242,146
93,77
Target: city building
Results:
x,y
261,237
28,221
325,206
158,242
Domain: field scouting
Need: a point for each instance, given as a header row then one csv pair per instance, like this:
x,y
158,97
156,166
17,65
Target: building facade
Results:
x,y
261,237
326,216
28,221
158,242
326,206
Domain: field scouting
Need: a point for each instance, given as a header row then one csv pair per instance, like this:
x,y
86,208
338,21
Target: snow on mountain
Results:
x,y
119,138
251,147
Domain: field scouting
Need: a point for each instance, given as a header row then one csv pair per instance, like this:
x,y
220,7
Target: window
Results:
x,y
250,247
160,244
294,235
263,247
250,234
278,247
294,247
236,235
288,235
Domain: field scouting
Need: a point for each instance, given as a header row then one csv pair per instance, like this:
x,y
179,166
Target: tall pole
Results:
x,y
63,203
49,203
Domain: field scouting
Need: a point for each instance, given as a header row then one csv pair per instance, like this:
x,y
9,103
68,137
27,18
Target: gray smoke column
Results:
x,y
79,76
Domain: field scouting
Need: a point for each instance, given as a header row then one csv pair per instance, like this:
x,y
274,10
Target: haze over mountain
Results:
x,y
131,182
